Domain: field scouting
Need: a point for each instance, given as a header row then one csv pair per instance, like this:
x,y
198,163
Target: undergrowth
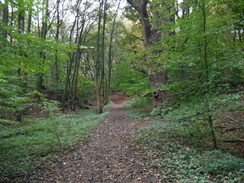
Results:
x,y
184,164
180,147
139,103
25,146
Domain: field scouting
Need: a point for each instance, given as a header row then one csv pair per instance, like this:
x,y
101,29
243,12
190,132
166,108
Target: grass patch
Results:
x,y
179,163
140,103
21,146
139,115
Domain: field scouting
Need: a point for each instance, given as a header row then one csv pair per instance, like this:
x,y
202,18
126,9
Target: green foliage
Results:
x,y
139,103
192,107
191,116
23,146
8,122
36,96
202,53
131,14
12,100
87,87
180,163
128,80
139,115
50,105
156,111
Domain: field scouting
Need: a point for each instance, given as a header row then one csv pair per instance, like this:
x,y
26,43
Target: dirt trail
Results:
x,y
107,156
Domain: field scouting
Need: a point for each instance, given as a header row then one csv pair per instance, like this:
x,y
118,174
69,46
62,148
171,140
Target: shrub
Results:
x,y
139,103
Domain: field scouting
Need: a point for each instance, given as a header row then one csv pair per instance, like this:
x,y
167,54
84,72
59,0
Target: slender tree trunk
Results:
x,y
210,121
103,78
5,18
77,63
56,71
11,22
43,34
71,81
21,29
68,70
29,22
110,56
99,58
240,35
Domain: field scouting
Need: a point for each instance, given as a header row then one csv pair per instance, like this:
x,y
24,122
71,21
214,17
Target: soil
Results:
x,y
108,155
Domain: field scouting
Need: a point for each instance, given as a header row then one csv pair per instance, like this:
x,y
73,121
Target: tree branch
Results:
x,y
141,7
134,36
139,69
135,5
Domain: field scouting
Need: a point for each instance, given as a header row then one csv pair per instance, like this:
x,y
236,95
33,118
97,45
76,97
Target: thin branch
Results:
x,y
139,69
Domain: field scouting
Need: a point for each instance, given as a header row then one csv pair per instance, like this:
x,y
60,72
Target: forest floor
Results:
x,y
108,155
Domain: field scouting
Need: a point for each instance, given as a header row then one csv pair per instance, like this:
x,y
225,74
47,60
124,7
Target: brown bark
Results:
x,y
110,56
152,35
72,69
157,80
5,18
205,58
43,35
100,74
56,62
68,69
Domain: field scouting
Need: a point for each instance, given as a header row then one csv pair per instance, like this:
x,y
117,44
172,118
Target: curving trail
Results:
x,y
107,156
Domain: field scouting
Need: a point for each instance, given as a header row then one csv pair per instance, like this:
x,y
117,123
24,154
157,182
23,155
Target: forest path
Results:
x,y
108,155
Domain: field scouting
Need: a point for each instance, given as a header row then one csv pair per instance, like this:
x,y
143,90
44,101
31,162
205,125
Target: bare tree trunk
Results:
x,y
110,56
240,35
56,72
205,58
68,70
29,22
71,83
99,61
21,29
43,35
5,18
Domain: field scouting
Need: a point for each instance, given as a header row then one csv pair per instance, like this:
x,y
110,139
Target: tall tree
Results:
x,y
110,53
59,23
5,17
43,34
99,72
78,33
151,20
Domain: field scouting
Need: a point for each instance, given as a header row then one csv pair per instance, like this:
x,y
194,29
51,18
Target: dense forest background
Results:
x,y
180,61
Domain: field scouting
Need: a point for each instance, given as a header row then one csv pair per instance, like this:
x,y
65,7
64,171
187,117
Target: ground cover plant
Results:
x,y
178,162
179,141
25,146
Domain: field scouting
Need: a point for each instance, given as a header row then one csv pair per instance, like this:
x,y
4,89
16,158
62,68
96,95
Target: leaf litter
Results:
x,y
108,155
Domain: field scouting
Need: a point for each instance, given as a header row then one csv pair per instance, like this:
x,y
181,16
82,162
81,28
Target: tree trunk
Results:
x,y
56,72
100,57
110,55
21,29
5,18
157,80
68,70
43,34
72,69
205,58
151,36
